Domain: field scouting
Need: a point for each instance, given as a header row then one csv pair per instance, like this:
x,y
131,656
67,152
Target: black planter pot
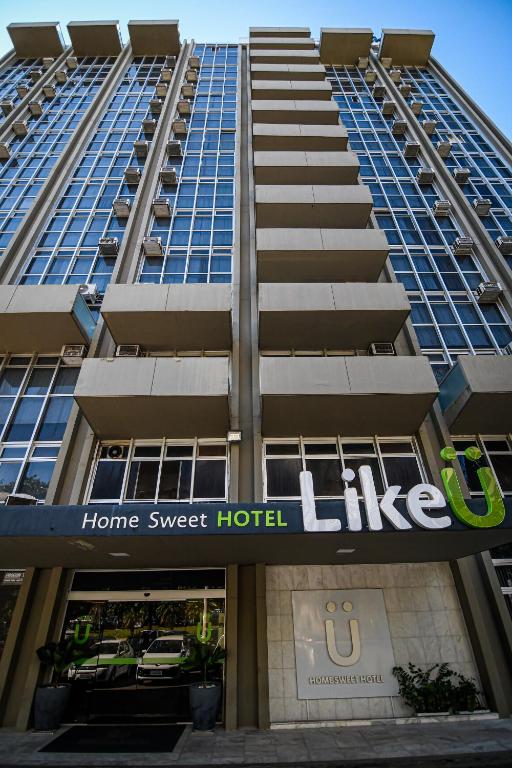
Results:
x,y
204,705
49,706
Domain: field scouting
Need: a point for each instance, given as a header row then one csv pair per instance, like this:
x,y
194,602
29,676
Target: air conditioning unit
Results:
x,y
149,126
411,149
193,62
71,62
109,246
488,293
429,126
161,90
6,106
461,175
482,206
20,500
5,150
191,76
395,75
370,76
35,74
155,106
36,108
378,91
441,208
405,89
49,91
140,148
508,349
115,452
22,91
122,207
188,91
174,148
132,174
444,148
47,62
128,350
179,127
386,62
73,352
166,75
152,246
183,107
463,246
504,245
382,348
170,61
161,208
425,176
399,127
416,107
388,107
362,62
19,128
61,76
168,175
89,292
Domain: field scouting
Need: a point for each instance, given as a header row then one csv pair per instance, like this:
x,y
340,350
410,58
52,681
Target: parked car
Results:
x,y
162,659
105,663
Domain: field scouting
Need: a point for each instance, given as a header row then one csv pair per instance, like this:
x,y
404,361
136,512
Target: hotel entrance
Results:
x,y
137,629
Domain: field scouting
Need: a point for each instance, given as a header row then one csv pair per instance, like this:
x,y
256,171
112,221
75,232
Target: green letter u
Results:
x,y
495,506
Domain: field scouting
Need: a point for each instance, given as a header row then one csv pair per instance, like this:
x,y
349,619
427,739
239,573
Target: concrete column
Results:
x,y
231,666
253,707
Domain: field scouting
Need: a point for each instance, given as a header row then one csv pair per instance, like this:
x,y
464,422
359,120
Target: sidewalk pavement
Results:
x,y
469,744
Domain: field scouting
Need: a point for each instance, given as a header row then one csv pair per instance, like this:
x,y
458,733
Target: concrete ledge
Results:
x,y
306,167
407,47
272,56
319,206
95,38
279,32
344,46
34,40
282,43
287,72
154,38
301,111
291,89
295,137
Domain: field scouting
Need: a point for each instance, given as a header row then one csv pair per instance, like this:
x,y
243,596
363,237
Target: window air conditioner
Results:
x,y
183,107
378,91
170,61
386,62
47,62
19,128
35,74
395,75
174,148
193,62
71,62
73,352
399,127
370,76
425,176
36,108
416,107
411,149
463,246
5,150
166,75
429,126
49,91
461,175
504,245
161,208
109,246
152,246
382,348
161,90
191,76
7,106
482,206
140,148
188,91
441,208
362,62
115,452
128,350
488,293
155,106
20,500
132,174
388,107
168,175
508,349
61,76
149,127
122,207
22,91
444,148
89,292
179,127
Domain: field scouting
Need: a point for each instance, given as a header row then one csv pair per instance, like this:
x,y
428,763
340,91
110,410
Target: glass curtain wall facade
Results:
x,y
17,76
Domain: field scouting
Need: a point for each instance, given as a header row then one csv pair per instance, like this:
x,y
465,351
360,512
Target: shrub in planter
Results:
x,y
205,696
436,689
51,700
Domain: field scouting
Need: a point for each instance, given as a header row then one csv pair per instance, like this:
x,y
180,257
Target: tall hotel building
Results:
x,y
248,293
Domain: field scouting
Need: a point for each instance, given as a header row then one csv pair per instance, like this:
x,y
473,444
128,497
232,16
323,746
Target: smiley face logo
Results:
x,y
330,636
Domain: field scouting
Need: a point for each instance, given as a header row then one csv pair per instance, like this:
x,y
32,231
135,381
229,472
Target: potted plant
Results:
x,y
436,690
51,700
205,696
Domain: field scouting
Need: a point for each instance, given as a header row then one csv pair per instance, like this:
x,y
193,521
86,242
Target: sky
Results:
x,y
472,36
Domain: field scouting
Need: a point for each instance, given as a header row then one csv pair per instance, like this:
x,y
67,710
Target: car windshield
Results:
x,y
98,648
165,646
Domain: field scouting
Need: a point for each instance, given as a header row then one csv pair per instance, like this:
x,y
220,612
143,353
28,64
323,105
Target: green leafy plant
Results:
x,y
204,657
436,689
60,656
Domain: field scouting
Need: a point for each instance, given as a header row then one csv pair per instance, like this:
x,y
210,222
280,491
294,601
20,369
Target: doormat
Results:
x,y
116,738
